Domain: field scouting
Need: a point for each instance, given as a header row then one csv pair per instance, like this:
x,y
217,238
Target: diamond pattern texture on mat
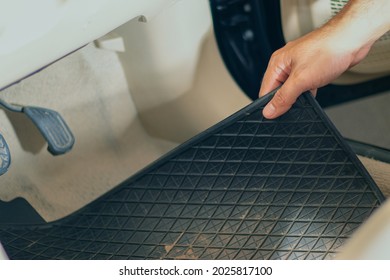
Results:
x,y
249,188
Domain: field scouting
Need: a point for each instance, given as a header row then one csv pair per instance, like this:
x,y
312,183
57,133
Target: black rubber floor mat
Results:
x,y
247,188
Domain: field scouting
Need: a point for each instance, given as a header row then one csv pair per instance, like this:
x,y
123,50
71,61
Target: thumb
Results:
x,y
283,99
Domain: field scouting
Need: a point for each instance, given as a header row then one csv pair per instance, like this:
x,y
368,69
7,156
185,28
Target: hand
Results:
x,y
322,55
307,63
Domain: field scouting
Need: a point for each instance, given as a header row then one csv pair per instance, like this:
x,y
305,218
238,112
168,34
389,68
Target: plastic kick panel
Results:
x,y
247,188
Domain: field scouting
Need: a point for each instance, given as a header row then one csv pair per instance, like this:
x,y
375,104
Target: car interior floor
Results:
x,y
115,138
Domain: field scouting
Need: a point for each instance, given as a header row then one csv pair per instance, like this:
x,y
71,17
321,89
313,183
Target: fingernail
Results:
x,y
269,110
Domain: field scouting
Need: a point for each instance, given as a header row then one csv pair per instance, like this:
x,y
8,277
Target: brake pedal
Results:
x,y
52,126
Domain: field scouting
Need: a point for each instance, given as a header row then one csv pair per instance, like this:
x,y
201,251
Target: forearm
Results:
x,y
360,23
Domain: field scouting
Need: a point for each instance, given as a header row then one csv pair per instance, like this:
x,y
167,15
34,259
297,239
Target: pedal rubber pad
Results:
x,y
247,188
53,128
5,156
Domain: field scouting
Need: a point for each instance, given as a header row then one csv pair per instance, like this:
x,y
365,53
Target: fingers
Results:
x,y
275,75
293,74
284,98
269,83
